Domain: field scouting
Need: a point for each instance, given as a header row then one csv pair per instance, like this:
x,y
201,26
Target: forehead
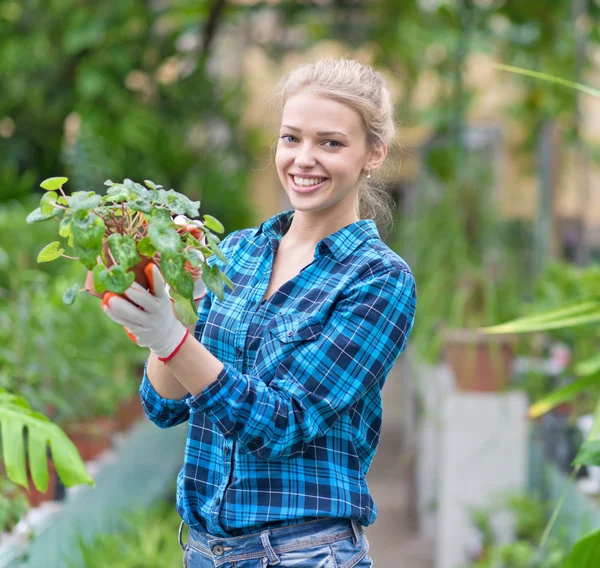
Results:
x,y
311,112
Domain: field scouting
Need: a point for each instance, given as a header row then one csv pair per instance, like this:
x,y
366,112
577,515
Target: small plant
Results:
x,y
117,234
13,504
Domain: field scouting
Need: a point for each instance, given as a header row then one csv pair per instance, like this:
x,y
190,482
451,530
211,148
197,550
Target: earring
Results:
x,y
368,174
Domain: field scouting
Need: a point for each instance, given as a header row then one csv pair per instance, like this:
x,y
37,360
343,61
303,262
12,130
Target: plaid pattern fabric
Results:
x,y
290,427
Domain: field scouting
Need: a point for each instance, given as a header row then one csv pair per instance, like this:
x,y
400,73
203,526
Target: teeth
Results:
x,y
307,182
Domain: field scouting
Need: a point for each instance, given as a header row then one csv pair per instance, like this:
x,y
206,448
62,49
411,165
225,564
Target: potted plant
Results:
x,y
466,274
117,234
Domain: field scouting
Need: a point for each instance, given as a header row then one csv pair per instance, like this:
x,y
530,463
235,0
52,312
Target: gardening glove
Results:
x,y
148,316
188,226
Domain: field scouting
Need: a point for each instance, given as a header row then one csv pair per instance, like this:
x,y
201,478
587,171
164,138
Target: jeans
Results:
x,y
325,543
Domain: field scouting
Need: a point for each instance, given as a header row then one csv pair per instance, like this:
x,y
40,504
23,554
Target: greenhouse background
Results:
x,y
496,184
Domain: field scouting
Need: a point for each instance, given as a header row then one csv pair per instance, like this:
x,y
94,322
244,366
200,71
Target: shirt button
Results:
x,y
290,333
218,501
239,351
218,550
226,450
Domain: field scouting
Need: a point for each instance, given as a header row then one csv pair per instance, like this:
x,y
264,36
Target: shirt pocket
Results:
x,y
292,329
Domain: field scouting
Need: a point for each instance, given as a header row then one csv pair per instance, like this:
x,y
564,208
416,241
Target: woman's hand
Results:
x,y
148,316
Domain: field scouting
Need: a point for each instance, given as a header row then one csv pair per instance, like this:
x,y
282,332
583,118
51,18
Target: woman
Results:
x,y
281,381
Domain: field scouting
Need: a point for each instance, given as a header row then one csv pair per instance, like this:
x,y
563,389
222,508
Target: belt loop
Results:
x,y
180,534
272,557
356,530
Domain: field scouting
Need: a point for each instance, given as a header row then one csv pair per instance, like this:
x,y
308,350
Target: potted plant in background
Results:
x,y
117,234
465,260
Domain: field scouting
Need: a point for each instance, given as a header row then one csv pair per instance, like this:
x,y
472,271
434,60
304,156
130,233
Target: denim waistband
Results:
x,y
269,542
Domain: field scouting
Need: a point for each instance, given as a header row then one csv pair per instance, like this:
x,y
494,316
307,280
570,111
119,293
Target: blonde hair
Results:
x,y
363,89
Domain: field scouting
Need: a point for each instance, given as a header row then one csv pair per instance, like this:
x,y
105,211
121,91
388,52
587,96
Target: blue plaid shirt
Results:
x,y
289,429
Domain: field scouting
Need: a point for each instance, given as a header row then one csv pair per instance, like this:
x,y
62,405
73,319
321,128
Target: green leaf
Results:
x,y
50,252
550,78
589,453
217,251
193,257
99,279
579,313
213,281
15,416
150,184
85,200
118,193
146,248
558,396
116,280
70,294
53,183
172,267
142,204
88,230
64,227
87,257
213,224
587,367
36,216
585,552
164,238
227,280
184,309
48,202
123,249
212,238
160,216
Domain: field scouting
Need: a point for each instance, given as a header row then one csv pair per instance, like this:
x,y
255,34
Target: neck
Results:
x,y
308,228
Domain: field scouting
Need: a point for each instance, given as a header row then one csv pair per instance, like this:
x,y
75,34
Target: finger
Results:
x,y
157,282
142,297
130,335
125,313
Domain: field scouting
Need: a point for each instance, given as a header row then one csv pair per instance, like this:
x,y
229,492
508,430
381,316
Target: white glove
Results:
x,y
152,320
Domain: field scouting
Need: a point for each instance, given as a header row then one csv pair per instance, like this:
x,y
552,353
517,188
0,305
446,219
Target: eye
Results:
x,y
285,137
337,144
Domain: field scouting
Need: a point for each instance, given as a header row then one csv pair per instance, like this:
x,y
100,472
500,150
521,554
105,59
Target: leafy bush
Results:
x,y
147,538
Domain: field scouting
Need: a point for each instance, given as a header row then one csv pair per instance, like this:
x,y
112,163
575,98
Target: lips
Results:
x,y
307,188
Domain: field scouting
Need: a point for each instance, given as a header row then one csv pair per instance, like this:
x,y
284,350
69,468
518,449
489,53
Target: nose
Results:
x,y
305,158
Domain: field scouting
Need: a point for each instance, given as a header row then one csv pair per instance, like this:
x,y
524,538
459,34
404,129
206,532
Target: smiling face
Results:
x,y
321,153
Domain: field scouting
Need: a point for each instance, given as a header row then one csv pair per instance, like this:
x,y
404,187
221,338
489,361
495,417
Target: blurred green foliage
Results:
x,y
146,538
110,90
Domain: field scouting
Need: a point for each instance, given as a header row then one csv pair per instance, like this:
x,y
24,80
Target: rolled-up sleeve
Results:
x,y
163,412
278,416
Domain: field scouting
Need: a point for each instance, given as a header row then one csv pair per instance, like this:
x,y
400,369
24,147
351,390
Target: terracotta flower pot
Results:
x,y
91,437
480,363
130,410
138,271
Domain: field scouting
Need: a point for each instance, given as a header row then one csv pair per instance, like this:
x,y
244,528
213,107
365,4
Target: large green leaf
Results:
x,y
15,416
580,313
212,279
48,202
172,267
85,200
564,394
185,310
88,230
116,280
36,216
550,78
589,453
164,238
585,553
213,224
123,249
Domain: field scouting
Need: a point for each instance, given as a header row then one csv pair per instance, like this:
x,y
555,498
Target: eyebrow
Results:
x,y
322,133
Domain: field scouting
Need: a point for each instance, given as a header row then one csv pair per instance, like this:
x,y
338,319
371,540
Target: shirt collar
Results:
x,y
342,243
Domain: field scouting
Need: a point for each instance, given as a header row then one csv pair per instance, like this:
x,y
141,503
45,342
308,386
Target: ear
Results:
x,y
376,156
